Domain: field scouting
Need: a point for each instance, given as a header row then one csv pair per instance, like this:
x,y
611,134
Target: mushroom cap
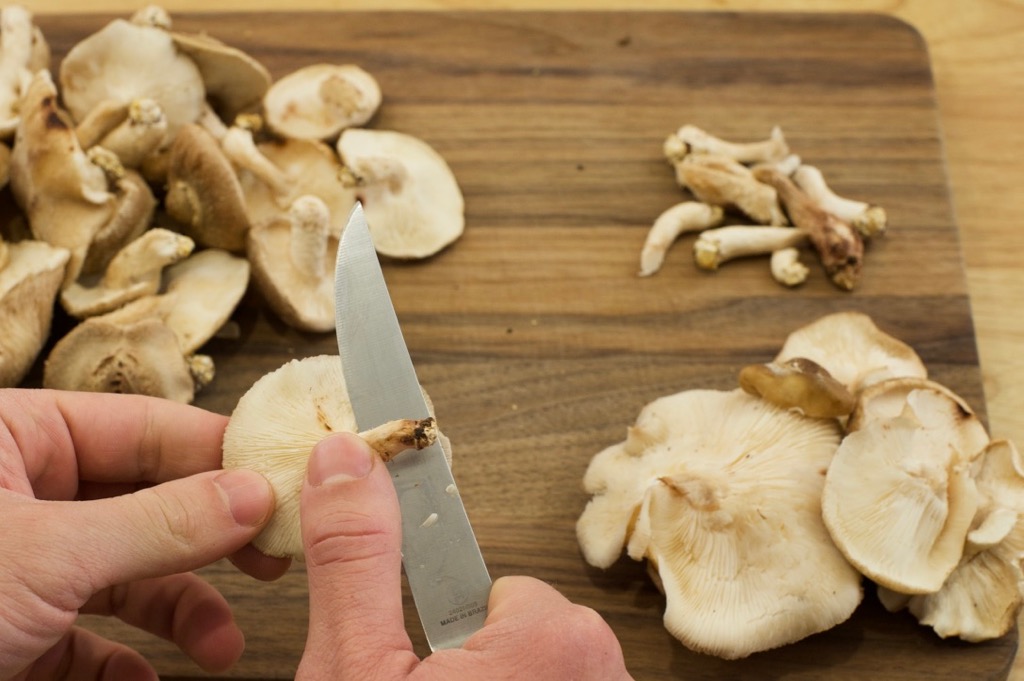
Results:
x,y
203,192
29,281
899,497
981,598
312,168
141,358
233,80
320,100
853,350
413,204
301,297
133,214
124,62
721,492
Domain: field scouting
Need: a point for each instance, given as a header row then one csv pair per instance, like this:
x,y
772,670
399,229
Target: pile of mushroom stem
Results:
x,y
759,509
767,185
145,167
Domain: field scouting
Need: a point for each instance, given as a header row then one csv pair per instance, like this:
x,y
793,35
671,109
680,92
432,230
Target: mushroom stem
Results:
x,y
721,181
152,15
867,219
716,246
394,437
100,120
211,122
146,257
240,147
141,133
839,246
698,141
786,267
310,222
687,216
108,162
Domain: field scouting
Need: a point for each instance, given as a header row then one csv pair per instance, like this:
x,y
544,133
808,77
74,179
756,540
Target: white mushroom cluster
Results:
x,y
153,165
760,509
783,206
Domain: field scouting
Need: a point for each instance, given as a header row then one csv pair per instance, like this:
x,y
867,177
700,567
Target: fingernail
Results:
x,y
339,458
248,495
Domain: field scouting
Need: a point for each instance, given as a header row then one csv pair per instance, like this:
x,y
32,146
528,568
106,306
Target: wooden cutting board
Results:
x,y
533,334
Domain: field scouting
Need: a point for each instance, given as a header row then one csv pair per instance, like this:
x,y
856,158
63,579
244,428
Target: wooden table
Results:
x,y
977,61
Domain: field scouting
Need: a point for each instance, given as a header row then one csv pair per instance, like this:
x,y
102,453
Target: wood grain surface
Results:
x,y
532,333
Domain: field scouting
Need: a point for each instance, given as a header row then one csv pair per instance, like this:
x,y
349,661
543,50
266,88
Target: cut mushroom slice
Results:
x,y
899,498
134,272
276,424
980,600
853,350
124,62
413,204
321,100
31,273
688,216
101,356
799,384
291,258
721,492
63,194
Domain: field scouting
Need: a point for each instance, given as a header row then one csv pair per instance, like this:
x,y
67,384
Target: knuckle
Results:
x,y
349,538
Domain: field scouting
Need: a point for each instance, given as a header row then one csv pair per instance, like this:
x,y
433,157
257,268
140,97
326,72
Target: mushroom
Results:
x,y
291,257
899,498
64,196
853,350
721,492
697,141
981,598
867,219
277,422
721,181
124,62
688,216
321,100
413,204
721,244
23,51
799,384
839,246
786,267
132,273
30,275
131,131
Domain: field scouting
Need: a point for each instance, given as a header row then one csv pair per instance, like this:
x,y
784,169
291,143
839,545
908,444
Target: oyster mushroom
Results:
x,y
321,100
132,273
413,203
278,421
688,216
980,600
30,275
23,51
853,350
291,257
720,492
899,497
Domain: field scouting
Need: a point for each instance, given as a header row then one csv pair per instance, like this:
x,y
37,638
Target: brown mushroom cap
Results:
x,y
203,191
233,80
413,204
321,100
133,214
30,276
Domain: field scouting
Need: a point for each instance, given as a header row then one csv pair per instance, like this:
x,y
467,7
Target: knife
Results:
x,y
443,565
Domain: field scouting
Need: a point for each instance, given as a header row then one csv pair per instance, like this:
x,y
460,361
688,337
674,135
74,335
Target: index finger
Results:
x,y
63,437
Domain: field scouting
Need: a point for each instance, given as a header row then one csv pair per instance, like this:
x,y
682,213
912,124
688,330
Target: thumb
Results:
x,y
351,533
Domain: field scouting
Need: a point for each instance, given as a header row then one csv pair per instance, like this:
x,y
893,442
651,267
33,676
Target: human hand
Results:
x,y
107,501
351,530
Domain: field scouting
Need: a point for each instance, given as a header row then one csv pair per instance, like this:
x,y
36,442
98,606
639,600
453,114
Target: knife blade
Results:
x,y
442,560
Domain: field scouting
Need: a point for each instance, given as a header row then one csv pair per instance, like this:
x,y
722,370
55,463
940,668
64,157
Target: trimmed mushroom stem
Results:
x,y
240,147
715,246
721,181
146,257
688,216
108,162
699,141
839,246
787,166
152,15
100,120
202,369
211,122
787,268
867,219
310,222
140,134
394,437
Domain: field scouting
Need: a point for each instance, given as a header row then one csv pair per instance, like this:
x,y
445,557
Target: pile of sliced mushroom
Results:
x,y
150,189
760,509
783,203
